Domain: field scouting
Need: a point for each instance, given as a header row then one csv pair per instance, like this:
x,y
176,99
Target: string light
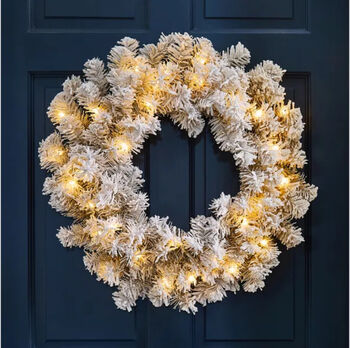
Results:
x,y
91,205
244,223
166,284
258,113
55,153
191,278
284,110
264,242
60,115
139,257
122,145
71,185
102,269
196,82
172,244
232,268
149,107
201,59
96,110
116,226
285,181
275,147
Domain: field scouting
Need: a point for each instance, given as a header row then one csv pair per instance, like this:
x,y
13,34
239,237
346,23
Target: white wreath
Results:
x,y
103,120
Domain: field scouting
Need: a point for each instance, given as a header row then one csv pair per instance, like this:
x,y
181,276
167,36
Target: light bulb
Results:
x,y
275,147
166,284
149,106
173,244
55,154
96,111
264,242
232,269
122,146
71,185
116,226
191,279
285,181
244,222
139,257
284,110
60,115
258,113
91,205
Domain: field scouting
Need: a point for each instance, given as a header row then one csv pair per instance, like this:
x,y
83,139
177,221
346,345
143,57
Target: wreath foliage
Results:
x,y
103,120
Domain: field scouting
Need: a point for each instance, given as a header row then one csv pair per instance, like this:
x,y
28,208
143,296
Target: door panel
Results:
x,y
49,300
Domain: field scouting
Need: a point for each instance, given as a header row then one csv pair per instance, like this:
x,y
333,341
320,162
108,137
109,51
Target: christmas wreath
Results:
x,y
103,120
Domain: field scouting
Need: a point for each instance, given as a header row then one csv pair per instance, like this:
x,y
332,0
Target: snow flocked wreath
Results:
x,y
102,120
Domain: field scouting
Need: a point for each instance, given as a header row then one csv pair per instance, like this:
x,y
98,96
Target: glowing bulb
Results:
x,y
191,279
61,114
202,60
284,110
244,222
149,106
173,244
233,269
264,242
285,181
102,268
166,284
116,226
196,82
91,205
71,185
139,257
96,111
122,146
137,69
258,113
55,154
275,147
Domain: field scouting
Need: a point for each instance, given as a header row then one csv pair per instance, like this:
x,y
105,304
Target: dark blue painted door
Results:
x,y
49,300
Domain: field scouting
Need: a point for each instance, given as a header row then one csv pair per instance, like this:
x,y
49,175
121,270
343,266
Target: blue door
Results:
x,y
49,300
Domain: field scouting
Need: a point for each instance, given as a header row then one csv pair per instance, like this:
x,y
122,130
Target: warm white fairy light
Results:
x,y
285,181
284,110
233,269
166,284
258,113
264,242
55,153
275,147
173,244
91,205
122,145
192,279
244,223
71,185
